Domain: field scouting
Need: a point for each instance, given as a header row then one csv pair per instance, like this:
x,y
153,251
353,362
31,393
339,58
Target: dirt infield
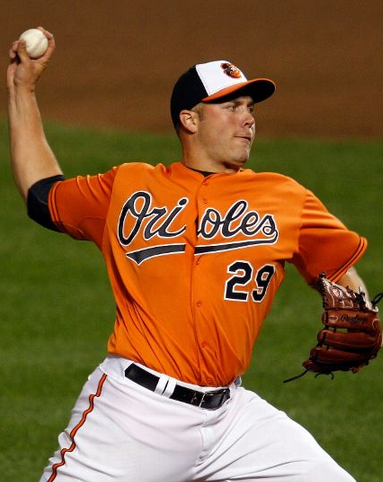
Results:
x,y
116,61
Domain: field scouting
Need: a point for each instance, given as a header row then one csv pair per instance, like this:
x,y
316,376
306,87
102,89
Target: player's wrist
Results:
x,y
20,96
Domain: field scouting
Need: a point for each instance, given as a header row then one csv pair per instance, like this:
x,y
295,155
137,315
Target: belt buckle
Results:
x,y
202,399
196,401
208,394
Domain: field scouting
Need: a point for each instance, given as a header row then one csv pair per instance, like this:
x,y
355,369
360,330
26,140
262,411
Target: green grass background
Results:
x,y
57,311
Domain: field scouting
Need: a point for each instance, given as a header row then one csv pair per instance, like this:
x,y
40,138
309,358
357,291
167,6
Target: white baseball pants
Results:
x,y
122,432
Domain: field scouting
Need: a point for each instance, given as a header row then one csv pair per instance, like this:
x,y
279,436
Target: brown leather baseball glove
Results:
x,y
352,334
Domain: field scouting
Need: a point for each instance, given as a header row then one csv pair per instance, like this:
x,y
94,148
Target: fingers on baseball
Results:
x,y
18,49
21,51
13,50
51,41
45,32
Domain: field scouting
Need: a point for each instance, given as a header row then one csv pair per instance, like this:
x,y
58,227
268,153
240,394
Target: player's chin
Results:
x,y
243,155
243,150
238,155
237,162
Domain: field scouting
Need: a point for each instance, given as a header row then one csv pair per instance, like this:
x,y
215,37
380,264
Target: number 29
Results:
x,y
235,286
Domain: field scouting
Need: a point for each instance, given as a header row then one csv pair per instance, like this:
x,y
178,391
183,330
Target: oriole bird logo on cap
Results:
x,y
231,70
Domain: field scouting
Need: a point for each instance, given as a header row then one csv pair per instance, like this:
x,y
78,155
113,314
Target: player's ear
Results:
x,y
189,120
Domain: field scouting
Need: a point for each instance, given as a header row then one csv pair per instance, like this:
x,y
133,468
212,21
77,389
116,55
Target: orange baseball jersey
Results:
x,y
195,261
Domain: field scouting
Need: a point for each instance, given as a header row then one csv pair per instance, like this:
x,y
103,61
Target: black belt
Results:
x,y
208,400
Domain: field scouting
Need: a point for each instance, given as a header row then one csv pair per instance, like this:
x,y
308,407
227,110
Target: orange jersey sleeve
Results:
x,y
83,213
324,243
195,262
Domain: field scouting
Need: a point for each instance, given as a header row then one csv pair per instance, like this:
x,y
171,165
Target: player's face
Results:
x,y
226,133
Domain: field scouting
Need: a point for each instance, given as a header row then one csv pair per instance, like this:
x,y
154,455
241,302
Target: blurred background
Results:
x,y
116,61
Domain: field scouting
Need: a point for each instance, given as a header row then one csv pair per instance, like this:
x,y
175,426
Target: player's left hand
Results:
x,y
352,333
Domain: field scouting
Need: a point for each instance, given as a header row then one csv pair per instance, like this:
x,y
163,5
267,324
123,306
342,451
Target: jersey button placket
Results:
x,y
205,183
202,201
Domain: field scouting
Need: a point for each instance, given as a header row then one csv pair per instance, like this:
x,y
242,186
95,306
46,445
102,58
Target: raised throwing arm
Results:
x,y
31,156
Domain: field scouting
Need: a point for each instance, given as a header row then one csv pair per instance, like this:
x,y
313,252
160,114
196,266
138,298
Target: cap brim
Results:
x,y
259,89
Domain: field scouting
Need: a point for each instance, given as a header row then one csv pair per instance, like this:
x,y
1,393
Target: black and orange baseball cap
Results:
x,y
213,81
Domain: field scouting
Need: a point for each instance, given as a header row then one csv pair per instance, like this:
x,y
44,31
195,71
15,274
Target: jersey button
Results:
x,y
205,183
204,200
199,304
209,381
204,344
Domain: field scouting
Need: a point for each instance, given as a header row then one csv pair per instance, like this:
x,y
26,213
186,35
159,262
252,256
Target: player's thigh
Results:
x,y
120,432
261,443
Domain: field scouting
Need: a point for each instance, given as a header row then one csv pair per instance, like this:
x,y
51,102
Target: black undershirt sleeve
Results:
x,y
37,201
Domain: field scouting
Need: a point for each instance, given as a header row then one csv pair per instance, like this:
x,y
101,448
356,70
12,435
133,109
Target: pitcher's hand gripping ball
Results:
x,y
36,42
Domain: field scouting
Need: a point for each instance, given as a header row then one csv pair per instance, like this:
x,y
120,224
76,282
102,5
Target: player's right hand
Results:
x,y
23,72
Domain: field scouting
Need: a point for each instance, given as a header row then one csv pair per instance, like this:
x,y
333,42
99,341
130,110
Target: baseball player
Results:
x,y
195,252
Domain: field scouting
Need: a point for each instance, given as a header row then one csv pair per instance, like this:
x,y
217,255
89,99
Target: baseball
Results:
x,y
36,42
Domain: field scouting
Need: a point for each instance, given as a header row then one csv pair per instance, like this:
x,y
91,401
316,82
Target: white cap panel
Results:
x,y
219,75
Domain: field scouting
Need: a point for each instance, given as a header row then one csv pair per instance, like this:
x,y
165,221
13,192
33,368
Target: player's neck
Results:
x,y
208,167
204,173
